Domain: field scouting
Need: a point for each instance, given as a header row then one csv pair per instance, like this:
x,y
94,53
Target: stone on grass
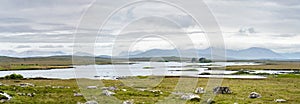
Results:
x,y
5,97
280,100
91,102
128,102
222,90
113,88
78,94
210,101
31,94
142,89
190,97
199,90
155,91
91,87
108,93
104,88
26,84
254,95
48,86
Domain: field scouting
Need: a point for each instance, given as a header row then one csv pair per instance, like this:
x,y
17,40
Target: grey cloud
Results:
x,y
41,38
23,46
261,14
286,2
184,20
247,30
40,16
56,15
14,20
286,35
17,28
51,46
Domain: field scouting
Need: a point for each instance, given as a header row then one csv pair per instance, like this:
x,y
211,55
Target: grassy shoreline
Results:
x,y
54,62
268,66
34,68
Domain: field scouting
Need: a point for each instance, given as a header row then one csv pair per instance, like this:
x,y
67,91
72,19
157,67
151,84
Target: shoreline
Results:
x,y
15,68
38,68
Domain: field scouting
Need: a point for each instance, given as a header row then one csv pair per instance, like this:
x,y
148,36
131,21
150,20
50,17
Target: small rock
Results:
x,y
61,87
5,98
108,93
254,95
104,88
154,91
128,102
199,90
26,84
91,102
142,89
280,100
78,94
91,87
112,88
31,94
190,96
222,90
210,101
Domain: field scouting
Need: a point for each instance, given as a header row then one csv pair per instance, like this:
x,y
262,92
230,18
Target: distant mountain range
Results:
x,y
31,53
245,54
248,54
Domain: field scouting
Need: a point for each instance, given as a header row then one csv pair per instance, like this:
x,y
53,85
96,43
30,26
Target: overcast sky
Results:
x,y
49,25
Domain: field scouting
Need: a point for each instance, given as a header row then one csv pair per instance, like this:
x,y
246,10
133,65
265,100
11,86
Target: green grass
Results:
x,y
31,67
288,76
280,87
148,67
43,63
142,77
44,95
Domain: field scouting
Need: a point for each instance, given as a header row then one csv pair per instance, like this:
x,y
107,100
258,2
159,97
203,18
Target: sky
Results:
x,y
50,25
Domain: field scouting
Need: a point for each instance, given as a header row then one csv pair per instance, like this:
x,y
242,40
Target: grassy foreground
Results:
x,y
61,91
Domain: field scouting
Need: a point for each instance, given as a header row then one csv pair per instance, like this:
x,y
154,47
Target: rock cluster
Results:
x,y
222,90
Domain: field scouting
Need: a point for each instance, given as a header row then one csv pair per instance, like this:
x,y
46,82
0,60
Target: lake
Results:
x,y
138,69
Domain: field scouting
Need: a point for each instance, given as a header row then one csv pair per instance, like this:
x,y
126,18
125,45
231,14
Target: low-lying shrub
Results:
x,y
14,76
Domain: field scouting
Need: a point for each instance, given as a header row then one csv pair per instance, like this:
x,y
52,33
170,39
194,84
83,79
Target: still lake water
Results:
x,y
138,69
